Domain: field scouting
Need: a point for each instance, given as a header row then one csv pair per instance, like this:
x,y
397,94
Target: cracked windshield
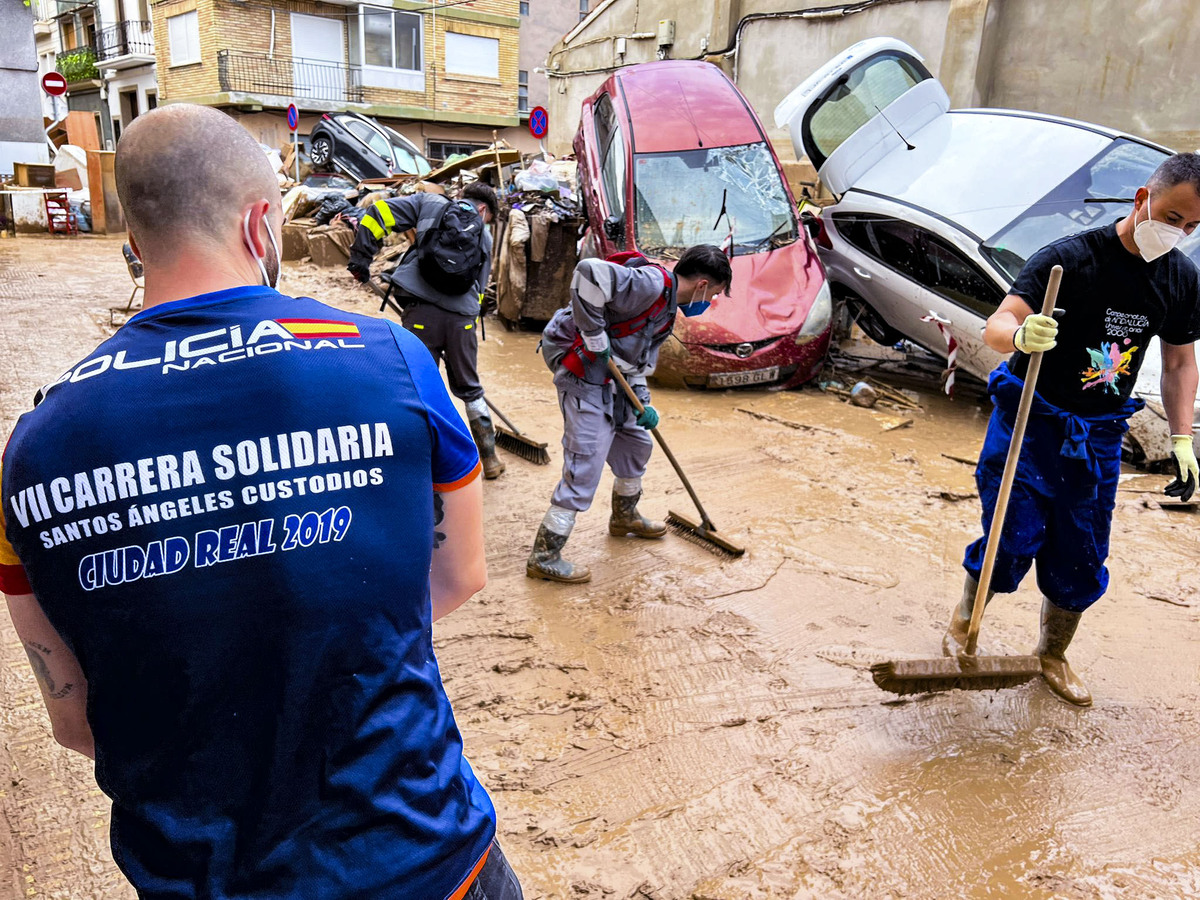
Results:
x,y
681,196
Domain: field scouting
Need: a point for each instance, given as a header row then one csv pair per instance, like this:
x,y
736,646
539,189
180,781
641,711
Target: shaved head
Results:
x,y
185,175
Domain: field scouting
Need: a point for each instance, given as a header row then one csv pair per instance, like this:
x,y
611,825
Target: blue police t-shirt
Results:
x,y
227,511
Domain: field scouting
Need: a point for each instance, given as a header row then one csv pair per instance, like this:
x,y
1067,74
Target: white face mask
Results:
x,y
1153,239
262,268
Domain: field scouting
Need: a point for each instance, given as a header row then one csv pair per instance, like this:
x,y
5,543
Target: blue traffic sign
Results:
x,y
539,122
293,117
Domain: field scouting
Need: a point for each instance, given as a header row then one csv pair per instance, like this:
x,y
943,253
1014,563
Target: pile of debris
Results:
x,y
539,244
537,231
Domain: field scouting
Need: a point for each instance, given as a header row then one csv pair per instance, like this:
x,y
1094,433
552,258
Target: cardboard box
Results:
x,y
295,239
34,175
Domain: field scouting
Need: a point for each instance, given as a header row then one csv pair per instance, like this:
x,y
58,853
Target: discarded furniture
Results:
x,y
59,218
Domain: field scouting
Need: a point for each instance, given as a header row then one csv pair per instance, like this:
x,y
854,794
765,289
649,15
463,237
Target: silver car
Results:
x,y
938,209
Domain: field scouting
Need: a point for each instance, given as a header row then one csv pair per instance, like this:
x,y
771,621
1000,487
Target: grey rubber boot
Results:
x,y
626,519
485,439
955,640
546,560
1058,627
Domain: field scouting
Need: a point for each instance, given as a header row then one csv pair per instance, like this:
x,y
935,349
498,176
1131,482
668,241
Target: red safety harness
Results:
x,y
578,352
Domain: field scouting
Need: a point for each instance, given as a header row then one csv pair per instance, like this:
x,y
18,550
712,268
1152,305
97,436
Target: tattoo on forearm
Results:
x,y
439,513
37,654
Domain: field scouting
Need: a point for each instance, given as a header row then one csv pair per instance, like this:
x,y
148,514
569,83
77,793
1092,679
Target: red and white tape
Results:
x,y
951,348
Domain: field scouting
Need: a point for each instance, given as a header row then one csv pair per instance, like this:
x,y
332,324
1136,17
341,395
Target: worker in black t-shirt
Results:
x,y
1122,284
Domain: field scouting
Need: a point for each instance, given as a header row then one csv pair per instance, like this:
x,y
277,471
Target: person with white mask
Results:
x,y
1122,284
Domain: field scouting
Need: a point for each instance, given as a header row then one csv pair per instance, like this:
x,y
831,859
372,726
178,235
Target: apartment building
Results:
x,y
105,49
543,23
443,74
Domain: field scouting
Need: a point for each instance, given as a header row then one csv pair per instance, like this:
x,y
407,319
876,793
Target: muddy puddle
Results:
x,y
695,728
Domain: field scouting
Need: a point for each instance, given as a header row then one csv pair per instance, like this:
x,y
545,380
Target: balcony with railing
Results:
x,y
77,64
286,79
125,44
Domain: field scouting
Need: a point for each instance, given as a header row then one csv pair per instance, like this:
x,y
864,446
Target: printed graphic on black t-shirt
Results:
x,y
1114,303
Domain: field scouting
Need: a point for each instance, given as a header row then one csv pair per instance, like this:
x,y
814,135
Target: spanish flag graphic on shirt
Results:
x,y
319,328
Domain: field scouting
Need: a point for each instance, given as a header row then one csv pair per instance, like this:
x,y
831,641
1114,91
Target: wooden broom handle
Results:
x,y
637,404
1010,471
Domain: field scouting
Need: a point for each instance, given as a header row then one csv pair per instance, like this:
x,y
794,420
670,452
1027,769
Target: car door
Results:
x,y
966,296
885,270
614,168
372,150
859,107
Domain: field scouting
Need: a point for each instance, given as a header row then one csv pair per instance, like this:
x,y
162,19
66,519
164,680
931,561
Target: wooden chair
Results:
x,y
59,218
137,276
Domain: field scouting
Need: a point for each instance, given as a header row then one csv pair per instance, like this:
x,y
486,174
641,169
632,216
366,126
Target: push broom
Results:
x,y
703,533
511,440
515,442
968,671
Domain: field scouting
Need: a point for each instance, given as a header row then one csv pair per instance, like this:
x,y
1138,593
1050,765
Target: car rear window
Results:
x,y
1097,194
862,94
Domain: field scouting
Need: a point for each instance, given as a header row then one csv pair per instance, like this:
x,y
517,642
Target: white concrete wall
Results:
x,y
1128,64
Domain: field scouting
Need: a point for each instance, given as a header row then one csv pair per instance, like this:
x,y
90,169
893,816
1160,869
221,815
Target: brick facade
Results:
x,y
246,29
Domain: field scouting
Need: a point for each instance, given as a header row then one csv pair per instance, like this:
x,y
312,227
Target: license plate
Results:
x,y
738,379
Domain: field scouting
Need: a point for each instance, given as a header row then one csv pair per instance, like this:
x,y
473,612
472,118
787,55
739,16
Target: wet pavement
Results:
x,y
696,728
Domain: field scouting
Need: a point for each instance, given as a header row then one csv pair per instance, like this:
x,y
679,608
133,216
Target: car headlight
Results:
x,y
819,316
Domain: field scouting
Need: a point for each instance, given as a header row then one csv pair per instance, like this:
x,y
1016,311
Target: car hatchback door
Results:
x,y
859,107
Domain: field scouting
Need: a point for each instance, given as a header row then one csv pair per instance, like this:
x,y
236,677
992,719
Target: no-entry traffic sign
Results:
x,y
539,122
293,117
54,84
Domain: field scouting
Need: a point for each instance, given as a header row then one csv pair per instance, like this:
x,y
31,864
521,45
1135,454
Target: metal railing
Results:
x,y
290,77
124,39
77,64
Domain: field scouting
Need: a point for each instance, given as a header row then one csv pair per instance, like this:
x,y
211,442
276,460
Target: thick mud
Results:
x,y
691,727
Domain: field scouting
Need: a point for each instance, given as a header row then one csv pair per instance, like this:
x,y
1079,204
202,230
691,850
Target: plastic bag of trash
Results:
x,y
538,177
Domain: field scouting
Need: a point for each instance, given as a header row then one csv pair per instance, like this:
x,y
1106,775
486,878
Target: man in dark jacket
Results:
x,y
228,593
444,318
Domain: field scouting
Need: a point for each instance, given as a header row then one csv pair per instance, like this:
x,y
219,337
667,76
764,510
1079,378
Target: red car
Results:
x,y
670,155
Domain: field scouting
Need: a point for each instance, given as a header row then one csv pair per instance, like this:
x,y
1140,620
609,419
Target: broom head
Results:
x,y
708,538
966,673
519,445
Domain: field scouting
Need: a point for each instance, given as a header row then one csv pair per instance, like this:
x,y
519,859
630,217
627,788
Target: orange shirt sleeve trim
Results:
x,y
12,573
462,482
471,876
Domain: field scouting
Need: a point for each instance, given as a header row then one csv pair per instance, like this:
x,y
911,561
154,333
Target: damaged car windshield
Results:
x,y
1095,195
679,198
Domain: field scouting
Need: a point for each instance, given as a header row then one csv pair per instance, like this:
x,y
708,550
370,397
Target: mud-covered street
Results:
x,y
690,727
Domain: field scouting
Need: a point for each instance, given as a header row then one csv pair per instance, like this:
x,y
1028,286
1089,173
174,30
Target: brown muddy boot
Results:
x,y
1058,627
955,640
546,560
626,519
485,439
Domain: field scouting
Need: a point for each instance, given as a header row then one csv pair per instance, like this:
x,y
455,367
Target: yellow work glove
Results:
x,y
1186,469
1037,334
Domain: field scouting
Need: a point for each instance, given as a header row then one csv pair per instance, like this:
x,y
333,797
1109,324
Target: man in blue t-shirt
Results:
x,y
227,533
1121,285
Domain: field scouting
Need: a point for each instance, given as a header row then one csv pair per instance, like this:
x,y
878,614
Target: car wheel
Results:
x,y
321,152
866,318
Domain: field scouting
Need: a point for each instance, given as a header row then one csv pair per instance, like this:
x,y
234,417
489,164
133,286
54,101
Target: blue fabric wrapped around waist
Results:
x,y
1081,434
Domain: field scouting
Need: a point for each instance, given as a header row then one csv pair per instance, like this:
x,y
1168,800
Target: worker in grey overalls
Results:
x,y
624,308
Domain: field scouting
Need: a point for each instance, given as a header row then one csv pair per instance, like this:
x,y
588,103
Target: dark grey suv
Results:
x,y
363,148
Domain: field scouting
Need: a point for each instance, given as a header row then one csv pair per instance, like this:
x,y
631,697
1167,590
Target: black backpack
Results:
x,y
450,253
